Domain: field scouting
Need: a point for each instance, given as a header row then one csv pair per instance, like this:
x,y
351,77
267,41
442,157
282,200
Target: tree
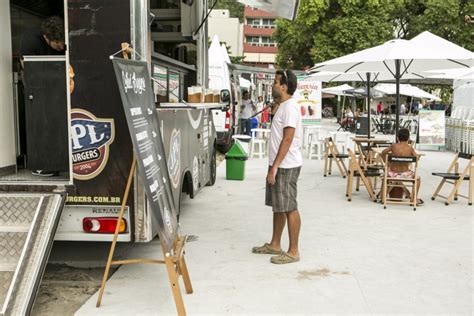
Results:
x,y
443,18
326,29
329,29
236,9
294,38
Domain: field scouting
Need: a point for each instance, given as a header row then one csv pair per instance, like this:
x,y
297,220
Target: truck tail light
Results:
x,y
227,119
103,225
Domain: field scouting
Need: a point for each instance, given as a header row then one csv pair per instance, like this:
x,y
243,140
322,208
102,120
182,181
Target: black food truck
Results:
x,y
65,148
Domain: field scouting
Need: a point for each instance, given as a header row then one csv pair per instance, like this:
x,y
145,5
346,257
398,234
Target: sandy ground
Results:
x,y
64,289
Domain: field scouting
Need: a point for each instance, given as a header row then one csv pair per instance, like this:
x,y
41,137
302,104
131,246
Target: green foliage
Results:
x,y
235,8
237,59
443,18
326,29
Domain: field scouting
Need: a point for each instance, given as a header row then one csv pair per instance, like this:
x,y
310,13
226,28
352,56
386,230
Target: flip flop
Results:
x,y
283,258
420,202
265,250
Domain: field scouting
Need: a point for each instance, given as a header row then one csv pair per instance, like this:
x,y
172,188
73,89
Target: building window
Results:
x,y
267,41
253,22
253,40
268,23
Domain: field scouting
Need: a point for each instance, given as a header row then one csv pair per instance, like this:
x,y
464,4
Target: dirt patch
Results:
x,y
65,289
220,157
324,272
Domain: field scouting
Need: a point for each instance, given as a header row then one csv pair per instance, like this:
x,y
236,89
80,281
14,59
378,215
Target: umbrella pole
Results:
x,y
397,103
338,107
368,104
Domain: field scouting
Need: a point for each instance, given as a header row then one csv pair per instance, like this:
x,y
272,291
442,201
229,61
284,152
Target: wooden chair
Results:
x,y
331,154
356,170
454,177
400,182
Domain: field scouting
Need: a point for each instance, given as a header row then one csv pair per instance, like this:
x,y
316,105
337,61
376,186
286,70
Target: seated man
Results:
x,y
348,118
402,149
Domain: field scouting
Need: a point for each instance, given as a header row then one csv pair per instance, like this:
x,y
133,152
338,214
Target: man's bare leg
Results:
x,y
279,222
294,225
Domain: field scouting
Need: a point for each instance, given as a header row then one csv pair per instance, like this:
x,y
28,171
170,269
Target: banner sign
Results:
x,y
287,9
134,83
431,129
308,96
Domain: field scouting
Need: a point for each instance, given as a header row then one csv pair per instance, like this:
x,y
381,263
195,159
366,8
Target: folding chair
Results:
x,y
332,153
400,182
452,176
357,171
377,125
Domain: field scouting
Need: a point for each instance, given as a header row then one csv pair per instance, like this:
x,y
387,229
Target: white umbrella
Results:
x,y
284,8
339,90
334,76
225,53
218,69
398,57
405,89
455,73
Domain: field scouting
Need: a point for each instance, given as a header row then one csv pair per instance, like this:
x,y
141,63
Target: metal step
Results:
x,y
27,225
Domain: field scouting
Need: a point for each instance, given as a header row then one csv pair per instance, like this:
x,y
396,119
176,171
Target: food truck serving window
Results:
x,y
160,84
168,84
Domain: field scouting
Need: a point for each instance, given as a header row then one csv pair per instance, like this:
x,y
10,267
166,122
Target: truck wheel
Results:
x,y
224,148
212,171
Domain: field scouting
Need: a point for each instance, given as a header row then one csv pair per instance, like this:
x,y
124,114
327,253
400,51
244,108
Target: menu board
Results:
x,y
431,128
142,118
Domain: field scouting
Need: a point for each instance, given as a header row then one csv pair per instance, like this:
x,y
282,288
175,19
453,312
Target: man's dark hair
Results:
x,y
53,28
288,78
403,135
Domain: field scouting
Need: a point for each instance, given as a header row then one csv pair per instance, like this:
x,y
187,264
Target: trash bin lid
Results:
x,y
242,137
236,151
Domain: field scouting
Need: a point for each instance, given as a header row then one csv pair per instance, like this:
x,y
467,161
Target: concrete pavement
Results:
x,y
356,257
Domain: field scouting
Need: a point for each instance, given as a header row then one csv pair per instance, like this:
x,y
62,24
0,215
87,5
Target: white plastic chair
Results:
x,y
308,132
315,146
258,145
341,140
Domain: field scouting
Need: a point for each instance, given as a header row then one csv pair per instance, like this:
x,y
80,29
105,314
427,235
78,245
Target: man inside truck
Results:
x,y
48,40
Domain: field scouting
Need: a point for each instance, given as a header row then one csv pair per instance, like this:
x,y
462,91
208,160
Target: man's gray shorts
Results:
x,y
282,195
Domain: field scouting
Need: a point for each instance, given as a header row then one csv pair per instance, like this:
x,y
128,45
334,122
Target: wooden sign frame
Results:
x,y
174,260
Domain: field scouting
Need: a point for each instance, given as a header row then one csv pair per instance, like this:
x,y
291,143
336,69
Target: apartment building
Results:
x,y
259,47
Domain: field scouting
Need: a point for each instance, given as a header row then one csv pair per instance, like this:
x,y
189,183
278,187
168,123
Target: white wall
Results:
x,y
7,134
229,31
260,58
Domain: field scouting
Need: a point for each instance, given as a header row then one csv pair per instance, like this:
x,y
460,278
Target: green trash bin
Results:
x,y
235,163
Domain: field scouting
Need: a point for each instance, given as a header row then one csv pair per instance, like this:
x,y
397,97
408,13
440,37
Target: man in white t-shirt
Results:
x,y
285,163
259,107
246,113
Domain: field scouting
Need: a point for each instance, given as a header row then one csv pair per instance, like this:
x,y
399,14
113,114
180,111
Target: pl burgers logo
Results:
x,y
91,138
